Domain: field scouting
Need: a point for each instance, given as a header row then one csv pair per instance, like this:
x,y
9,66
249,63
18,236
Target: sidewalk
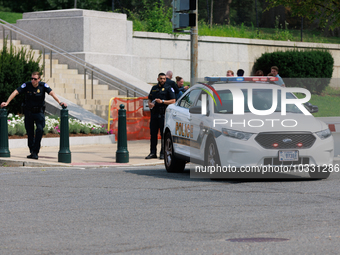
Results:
x,y
92,155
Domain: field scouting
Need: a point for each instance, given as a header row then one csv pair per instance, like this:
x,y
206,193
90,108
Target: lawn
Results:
x,y
328,102
10,17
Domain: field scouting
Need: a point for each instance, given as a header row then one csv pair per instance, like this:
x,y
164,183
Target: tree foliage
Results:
x,y
326,12
16,67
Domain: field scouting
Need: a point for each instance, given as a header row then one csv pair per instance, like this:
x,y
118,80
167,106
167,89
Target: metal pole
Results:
x,y
50,63
4,151
3,34
122,154
10,37
84,83
44,61
64,154
75,3
113,5
194,50
91,84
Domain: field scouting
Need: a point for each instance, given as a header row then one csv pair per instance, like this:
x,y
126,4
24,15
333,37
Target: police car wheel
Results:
x,y
172,164
211,157
323,174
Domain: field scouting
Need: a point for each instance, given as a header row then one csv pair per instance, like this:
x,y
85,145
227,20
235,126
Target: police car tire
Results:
x,y
211,153
319,175
171,162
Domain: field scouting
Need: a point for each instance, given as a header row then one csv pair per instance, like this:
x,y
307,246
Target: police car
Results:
x,y
246,121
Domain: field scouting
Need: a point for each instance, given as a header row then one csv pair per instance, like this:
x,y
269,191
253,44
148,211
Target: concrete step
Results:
x,y
58,69
69,84
56,66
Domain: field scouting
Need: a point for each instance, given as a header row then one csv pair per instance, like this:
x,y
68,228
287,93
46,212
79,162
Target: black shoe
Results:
x,y
151,155
161,156
34,155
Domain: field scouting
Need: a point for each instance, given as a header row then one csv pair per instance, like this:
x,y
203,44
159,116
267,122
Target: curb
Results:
x,y
54,141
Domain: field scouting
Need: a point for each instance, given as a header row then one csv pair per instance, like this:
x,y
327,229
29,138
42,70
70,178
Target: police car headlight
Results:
x,y
324,133
236,134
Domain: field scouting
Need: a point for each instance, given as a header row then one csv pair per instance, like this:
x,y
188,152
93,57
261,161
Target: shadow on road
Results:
x,y
188,176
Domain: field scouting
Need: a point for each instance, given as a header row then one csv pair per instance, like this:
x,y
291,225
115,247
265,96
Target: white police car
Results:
x,y
246,121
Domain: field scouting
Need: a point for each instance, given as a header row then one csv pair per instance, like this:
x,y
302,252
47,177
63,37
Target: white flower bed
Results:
x,y
16,126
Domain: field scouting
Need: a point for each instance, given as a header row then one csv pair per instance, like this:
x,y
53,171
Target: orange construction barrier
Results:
x,y
137,119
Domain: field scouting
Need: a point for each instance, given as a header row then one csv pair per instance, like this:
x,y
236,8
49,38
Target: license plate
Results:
x,y
288,155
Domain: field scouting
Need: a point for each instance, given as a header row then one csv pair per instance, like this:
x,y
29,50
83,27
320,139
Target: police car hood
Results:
x,y
275,122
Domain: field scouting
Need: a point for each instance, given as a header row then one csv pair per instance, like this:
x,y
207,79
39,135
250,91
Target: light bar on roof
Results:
x,y
236,79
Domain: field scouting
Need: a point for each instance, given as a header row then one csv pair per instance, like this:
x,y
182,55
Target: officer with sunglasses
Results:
x,y
34,110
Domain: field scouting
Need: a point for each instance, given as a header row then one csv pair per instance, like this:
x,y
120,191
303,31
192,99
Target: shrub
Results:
x,y
11,130
300,64
154,16
20,129
85,129
16,67
74,127
95,131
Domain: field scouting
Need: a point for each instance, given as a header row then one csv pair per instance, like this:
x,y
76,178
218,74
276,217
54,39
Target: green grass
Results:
x,y
265,33
328,102
10,17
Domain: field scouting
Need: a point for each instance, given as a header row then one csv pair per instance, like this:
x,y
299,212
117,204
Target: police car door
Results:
x,y
200,122
183,129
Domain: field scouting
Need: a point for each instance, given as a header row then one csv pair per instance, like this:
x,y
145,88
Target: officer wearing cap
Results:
x,y
34,108
161,95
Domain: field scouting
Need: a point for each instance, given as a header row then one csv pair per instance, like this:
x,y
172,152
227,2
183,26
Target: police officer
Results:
x,y
34,108
161,95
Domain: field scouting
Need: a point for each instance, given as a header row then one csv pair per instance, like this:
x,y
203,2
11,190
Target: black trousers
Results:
x,y
34,141
156,123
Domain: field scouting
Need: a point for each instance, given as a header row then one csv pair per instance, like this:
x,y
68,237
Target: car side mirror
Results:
x,y
195,110
311,108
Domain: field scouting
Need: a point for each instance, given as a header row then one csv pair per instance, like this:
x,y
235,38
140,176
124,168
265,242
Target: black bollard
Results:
x,y
4,151
122,154
64,154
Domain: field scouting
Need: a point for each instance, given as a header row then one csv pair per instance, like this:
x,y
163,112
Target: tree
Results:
x,y
16,67
326,12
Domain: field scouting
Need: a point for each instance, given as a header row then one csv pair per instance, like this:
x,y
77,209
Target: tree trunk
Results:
x,y
222,12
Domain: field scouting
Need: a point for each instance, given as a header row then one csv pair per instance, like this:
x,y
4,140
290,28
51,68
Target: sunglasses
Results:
x,y
34,79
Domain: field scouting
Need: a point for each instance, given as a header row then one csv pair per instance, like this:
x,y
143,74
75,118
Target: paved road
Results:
x,y
144,210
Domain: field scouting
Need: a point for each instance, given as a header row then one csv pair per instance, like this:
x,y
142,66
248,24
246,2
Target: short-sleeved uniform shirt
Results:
x,y
173,85
34,97
280,81
165,92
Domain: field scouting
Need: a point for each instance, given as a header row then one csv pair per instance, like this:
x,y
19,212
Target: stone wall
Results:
x,y
107,39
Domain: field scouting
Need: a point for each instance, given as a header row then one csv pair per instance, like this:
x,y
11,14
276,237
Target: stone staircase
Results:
x,y
68,83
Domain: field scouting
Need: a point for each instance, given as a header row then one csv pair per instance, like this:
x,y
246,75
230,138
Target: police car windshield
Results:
x,y
262,100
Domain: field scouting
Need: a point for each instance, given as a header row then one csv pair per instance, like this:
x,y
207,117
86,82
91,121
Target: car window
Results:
x,y
189,99
262,100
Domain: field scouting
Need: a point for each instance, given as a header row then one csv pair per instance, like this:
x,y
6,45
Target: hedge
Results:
x,y
300,64
16,67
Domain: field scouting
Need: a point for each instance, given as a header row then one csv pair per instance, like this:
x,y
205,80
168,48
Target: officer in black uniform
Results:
x,y
161,95
34,108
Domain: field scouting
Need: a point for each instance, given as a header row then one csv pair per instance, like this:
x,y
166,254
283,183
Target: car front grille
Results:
x,y
288,140
276,162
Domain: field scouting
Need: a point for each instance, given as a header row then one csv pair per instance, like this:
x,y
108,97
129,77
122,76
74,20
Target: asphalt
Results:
x,y
86,155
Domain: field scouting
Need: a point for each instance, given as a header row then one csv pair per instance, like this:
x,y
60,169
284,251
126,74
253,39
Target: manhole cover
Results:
x,y
257,240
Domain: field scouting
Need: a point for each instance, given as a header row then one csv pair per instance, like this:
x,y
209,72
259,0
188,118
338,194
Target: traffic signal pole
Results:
x,y
185,15
194,50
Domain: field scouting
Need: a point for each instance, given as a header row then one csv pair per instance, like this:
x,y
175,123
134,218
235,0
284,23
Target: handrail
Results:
x,y
96,72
